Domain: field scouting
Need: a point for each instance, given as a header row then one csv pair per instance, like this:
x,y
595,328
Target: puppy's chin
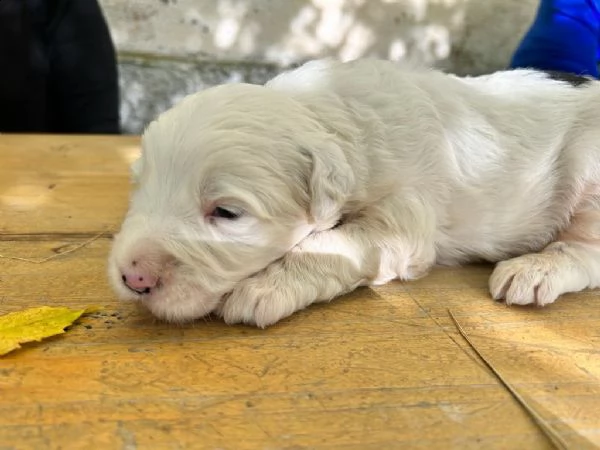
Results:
x,y
180,303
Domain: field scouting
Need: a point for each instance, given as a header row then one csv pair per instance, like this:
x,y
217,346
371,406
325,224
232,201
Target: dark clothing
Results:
x,y
58,70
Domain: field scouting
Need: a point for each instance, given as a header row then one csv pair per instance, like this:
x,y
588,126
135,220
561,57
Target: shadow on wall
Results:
x,y
170,48
342,29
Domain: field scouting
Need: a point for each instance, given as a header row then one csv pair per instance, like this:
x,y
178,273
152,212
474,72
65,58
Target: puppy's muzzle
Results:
x,y
140,283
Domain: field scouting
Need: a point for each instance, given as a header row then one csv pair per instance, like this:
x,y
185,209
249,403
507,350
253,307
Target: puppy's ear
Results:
x,y
329,184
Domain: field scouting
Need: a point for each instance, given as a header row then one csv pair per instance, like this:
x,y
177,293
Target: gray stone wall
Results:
x,y
170,48
150,85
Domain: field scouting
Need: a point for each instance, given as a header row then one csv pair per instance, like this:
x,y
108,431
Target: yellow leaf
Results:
x,y
34,324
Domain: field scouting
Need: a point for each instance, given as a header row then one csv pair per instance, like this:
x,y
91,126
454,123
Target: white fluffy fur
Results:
x,y
358,173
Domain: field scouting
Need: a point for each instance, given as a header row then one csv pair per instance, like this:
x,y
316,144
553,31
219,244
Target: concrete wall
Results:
x,y
170,48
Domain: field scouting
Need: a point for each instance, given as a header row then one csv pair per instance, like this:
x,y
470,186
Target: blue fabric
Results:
x,y
564,36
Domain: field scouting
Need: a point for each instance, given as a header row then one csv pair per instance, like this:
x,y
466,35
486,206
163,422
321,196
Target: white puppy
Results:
x,y
255,201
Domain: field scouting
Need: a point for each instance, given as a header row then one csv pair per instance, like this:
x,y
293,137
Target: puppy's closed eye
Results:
x,y
227,213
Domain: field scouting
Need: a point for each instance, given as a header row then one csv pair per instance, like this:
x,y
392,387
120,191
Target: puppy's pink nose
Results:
x,y
139,281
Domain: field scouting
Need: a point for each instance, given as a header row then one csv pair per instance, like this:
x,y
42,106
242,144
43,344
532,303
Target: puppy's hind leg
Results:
x,y
570,264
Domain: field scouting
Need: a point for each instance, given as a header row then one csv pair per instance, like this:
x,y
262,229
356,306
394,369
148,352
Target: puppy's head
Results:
x,y
229,180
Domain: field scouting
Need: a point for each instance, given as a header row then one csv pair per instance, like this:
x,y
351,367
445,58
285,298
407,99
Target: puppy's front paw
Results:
x,y
263,299
538,279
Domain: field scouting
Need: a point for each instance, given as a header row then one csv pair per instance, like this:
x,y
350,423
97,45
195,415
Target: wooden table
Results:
x,y
380,368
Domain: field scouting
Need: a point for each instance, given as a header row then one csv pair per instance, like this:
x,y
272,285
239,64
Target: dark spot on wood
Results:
x,y
51,186
249,404
89,327
423,405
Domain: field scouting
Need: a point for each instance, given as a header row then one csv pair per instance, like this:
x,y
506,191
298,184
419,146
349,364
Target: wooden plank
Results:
x,y
363,419
67,154
371,370
57,184
549,354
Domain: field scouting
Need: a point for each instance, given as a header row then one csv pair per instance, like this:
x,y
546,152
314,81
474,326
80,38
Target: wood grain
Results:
x,y
379,368
51,184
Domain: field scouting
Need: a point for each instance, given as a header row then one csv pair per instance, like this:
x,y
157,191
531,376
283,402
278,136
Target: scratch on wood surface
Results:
x,y
444,330
52,236
57,255
546,427
127,437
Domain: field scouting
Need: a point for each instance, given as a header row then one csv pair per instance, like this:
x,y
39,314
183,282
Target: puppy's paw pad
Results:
x,y
529,279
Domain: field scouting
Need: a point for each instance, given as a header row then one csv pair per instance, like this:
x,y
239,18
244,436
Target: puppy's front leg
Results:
x,y
328,264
